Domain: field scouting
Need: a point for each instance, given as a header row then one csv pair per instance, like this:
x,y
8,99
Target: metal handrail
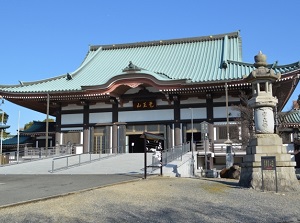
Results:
x,y
173,153
33,154
79,159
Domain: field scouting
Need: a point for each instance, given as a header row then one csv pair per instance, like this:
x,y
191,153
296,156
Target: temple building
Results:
x,y
164,87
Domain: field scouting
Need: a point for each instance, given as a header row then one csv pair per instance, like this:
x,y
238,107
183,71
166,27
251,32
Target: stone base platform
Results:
x,y
265,145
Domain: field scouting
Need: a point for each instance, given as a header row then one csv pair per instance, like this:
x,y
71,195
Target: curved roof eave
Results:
x,y
290,117
70,75
134,77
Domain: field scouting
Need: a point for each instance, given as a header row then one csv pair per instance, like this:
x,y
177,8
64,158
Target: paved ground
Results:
x,y
78,195
23,188
162,199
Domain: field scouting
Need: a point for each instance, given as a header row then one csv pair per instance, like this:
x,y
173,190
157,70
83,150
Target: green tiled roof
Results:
x,y
38,127
291,118
14,140
199,59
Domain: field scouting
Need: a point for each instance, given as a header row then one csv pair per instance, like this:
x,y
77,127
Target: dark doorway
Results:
x,y
196,135
136,144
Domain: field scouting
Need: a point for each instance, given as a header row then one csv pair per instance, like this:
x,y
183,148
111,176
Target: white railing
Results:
x,y
66,162
173,153
31,154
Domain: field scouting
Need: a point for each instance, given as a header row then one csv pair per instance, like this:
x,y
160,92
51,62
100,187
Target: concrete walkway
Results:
x,y
17,189
120,164
27,182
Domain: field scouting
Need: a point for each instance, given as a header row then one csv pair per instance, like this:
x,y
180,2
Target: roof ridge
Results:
x,y
295,64
165,42
23,83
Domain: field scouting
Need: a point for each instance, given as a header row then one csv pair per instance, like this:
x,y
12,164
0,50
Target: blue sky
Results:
x,y
43,39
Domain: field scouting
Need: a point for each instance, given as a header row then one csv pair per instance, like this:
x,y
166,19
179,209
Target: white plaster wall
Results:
x,y
161,102
71,119
133,90
198,113
100,105
127,105
223,99
72,107
71,129
81,138
192,100
220,112
100,117
79,149
147,115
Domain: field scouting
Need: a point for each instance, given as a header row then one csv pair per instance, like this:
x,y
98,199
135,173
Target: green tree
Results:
x,y
49,120
4,117
29,124
245,121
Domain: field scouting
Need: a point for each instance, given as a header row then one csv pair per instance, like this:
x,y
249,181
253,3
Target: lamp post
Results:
x,y
2,119
18,139
204,132
229,156
2,127
192,141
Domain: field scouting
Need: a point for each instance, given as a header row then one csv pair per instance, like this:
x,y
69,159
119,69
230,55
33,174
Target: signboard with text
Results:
x,y
268,162
143,105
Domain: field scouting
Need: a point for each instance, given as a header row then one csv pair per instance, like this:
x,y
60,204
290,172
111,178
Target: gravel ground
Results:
x,y
162,199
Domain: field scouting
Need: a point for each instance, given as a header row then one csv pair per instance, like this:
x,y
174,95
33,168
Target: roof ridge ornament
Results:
x,y
131,67
69,77
262,71
260,60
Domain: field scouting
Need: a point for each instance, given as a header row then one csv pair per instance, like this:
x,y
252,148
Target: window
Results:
x,y
234,133
71,137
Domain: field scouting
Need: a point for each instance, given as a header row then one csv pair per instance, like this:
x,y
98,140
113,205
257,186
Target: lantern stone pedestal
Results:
x,y
251,169
265,143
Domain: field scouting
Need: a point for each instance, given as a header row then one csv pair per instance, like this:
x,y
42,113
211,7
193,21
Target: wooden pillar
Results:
x,y
86,129
210,117
209,108
115,127
58,139
177,131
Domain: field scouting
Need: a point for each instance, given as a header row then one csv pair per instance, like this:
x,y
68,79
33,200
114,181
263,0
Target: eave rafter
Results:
x,y
205,87
119,84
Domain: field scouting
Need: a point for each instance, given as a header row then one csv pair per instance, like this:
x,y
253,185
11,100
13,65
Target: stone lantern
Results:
x,y
265,143
262,100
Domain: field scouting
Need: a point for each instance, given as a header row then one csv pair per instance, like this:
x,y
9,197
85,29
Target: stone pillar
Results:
x,y
265,143
177,134
114,138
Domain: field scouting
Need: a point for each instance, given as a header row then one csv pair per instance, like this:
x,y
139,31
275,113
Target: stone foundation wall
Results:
x,y
251,170
286,179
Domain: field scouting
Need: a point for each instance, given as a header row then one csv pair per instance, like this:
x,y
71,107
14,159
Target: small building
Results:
x,y
164,87
289,130
31,138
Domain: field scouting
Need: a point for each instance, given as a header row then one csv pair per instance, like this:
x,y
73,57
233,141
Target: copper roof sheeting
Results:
x,y
290,119
197,60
